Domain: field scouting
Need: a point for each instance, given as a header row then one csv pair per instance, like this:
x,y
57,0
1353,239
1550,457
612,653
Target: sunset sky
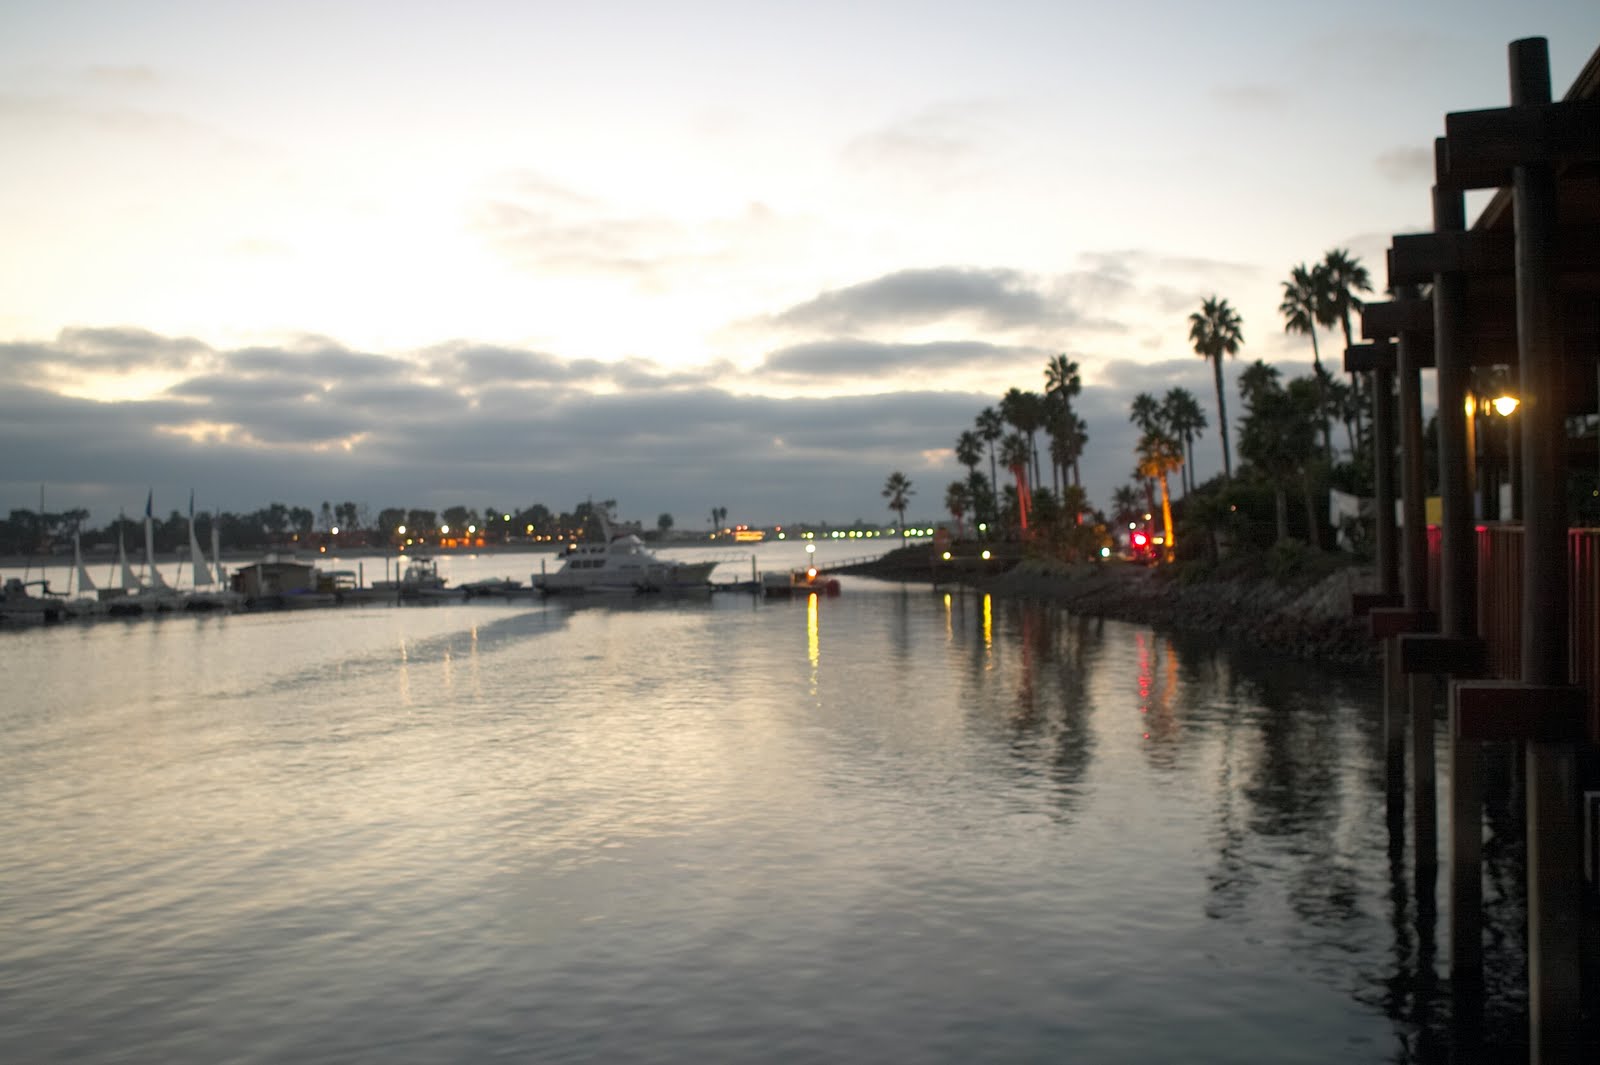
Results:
x,y
687,255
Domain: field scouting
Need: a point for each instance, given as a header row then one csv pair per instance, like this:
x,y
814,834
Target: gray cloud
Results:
x,y
929,143
507,427
997,298
1406,165
1251,97
848,358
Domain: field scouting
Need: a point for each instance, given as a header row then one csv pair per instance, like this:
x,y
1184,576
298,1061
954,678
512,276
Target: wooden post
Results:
x,y
1383,442
1458,601
1413,490
1554,843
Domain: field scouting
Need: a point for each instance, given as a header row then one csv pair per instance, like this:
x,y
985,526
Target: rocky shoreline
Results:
x,y
1308,621
1311,622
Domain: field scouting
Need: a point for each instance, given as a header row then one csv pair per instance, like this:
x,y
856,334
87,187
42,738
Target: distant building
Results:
x,y
273,577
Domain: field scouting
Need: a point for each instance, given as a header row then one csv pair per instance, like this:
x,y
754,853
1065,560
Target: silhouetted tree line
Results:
x,y
30,532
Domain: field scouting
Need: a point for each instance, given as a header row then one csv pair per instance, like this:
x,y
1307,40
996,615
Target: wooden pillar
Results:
x,y
1458,601
1413,489
1383,445
1554,840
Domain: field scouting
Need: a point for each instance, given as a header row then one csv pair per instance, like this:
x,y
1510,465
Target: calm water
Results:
x,y
895,825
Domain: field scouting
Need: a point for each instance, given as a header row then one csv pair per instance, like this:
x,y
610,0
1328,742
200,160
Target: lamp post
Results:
x,y
1505,406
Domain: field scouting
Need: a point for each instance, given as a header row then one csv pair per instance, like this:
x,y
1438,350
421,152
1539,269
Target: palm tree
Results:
x,y
1181,411
1145,412
991,427
1159,454
1126,505
1014,452
957,501
1307,303
1024,410
1278,437
1214,331
1346,279
969,451
1061,378
897,490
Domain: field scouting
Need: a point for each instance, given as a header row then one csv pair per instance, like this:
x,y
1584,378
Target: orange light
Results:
x,y
811,573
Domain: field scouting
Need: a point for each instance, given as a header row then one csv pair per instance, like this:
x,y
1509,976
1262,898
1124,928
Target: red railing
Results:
x,y
1500,550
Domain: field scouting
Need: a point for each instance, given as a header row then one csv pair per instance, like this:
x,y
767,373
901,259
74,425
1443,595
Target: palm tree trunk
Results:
x,y
994,485
1313,526
1355,380
1322,396
1222,418
1166,519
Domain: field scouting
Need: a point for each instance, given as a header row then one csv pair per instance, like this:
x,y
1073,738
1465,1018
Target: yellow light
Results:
x,y
505,517
445,529
1504,405
947,556
986,553
811,572
471,529
530,530
401,530
335,530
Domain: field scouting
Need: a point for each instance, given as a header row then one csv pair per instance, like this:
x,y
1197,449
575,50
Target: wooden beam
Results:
x,y
1364,603
1390,319
1512,710
1396,621
1415,257
1457,656
1481,147
1373,355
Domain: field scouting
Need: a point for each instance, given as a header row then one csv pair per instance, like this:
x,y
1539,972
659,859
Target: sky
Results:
x,y
747,255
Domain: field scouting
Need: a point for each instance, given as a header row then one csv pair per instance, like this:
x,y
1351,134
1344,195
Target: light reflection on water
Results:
x,y
896,825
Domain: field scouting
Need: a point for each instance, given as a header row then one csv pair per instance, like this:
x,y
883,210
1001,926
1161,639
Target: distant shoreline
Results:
x,y
245,555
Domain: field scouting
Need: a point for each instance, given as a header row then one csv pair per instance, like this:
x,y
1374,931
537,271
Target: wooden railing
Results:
x,y
1500,560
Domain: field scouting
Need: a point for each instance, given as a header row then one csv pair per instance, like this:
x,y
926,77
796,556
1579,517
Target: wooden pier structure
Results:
x,y
1502,618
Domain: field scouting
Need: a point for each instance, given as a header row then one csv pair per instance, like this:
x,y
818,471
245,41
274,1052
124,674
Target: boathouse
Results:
x,y
274,577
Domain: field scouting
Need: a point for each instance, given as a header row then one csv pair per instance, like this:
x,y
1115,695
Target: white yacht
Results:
x,y
622,564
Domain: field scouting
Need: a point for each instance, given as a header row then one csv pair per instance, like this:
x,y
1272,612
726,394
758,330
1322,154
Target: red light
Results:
x,y
1140,539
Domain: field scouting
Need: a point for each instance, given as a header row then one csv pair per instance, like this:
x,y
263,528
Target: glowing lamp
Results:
x,y
986,554
947,556
1504,405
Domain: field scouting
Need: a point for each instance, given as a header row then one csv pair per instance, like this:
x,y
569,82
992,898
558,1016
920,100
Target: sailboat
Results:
x,y
86,597
209,592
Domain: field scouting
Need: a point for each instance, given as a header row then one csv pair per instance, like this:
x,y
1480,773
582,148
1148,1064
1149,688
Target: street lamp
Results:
x,y
1505,406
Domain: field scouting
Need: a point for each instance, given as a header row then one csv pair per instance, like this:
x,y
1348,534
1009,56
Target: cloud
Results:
x,y
847,358
1406,165
995,298
79,354
1246,97
929,143
130,76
